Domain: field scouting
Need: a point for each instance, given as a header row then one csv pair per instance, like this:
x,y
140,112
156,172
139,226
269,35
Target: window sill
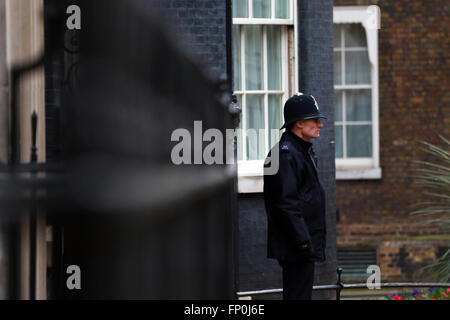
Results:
x,y
250,184
253,183
359,174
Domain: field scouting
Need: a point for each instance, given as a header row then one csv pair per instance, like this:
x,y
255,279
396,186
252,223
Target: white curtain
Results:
x,y
237,70
275,121
358,107
254,103
254,57
261,9
254,80
274,58
353,69
240,8
282,9
359,142
255,122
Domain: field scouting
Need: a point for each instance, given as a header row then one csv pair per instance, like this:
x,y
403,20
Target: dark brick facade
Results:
x,y
315,41
202,25
414,106
256,272
54,78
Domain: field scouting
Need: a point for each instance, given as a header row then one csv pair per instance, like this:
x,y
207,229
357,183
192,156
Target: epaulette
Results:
x,y
285,147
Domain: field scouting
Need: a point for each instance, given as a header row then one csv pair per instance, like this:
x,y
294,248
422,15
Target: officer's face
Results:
x,y
310,129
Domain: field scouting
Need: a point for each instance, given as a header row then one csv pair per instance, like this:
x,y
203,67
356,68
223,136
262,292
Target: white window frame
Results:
x,y
362,168
250,172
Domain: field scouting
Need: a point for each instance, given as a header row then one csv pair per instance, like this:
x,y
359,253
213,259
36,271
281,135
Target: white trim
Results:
x,y
358,123
296,53
375,107
284,65
250,168
353,14
360,168
357,49
243,96
250,184
352,86
262,21
363,174
260,92
266,87
272,9
354,163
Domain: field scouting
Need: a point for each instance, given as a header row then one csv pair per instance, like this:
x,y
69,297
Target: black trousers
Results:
x,y
298,278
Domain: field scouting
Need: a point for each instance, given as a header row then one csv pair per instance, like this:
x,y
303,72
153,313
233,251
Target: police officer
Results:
x,y
295,200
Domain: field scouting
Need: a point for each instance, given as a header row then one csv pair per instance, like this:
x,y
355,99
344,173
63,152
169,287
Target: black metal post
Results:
x,y
339,284
34,119
33,209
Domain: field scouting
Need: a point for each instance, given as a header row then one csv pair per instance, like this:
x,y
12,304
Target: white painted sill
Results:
x,y
251,181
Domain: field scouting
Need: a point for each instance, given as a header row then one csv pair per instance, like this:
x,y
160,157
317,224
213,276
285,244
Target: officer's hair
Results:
x,y
289,127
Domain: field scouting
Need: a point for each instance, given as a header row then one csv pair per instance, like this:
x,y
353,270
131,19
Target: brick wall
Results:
x,y
202,24
414,106
398,259
256,272
54,78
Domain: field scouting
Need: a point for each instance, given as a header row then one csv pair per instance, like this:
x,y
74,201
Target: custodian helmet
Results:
x,y
300,107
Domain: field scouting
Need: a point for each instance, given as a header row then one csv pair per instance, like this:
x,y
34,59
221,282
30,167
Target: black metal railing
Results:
x,y
339,286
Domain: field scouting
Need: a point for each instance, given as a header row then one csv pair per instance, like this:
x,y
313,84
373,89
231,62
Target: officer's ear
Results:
x,y
299,124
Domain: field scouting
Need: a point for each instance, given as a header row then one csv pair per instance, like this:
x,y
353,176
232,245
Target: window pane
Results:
x,y
338,142
255,121
237,72
358,105
275,121
337,35
239,141
359,141
355,36
253,57
338,105
274,57
337,68
240,8
357,67
261,9
282,9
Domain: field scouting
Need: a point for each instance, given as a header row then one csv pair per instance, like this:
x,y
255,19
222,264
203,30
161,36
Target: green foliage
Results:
x,y
435,177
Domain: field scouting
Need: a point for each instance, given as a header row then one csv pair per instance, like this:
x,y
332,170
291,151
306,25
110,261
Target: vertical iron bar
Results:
x,y
34,119
339,284
33,209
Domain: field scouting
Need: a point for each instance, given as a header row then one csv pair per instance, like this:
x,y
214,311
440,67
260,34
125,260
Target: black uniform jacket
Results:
x,y
295,203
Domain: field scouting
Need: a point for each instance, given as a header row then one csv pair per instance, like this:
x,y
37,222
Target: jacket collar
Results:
x,y
298,142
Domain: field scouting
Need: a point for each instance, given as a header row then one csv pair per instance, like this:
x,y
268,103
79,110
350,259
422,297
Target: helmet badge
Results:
x,y
315,103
